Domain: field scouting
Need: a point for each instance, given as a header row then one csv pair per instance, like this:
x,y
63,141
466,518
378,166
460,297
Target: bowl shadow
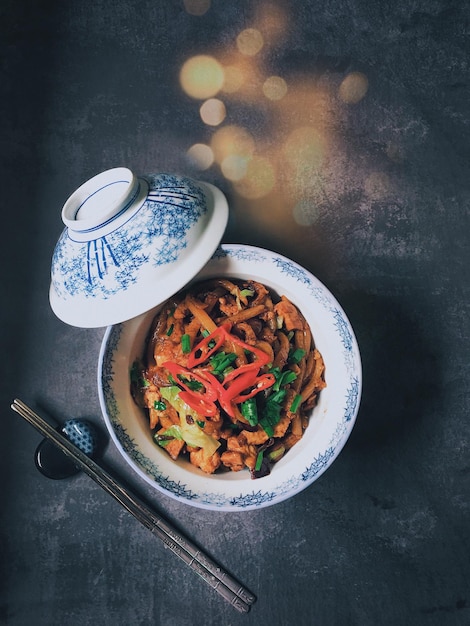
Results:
x,y
401,369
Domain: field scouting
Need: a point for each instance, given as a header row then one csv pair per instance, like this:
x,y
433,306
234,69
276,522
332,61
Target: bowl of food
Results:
x,y
239,390
229,376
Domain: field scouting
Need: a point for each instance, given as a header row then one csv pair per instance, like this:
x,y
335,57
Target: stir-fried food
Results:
x,y
229,377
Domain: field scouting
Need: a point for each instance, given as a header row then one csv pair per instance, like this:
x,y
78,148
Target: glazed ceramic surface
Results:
x,y
330,423
130,242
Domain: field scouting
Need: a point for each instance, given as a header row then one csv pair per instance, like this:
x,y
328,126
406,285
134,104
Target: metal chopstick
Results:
x,y
230,589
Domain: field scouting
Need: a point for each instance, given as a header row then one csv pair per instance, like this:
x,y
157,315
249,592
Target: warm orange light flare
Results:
x,y
250,41
197,7
303,149
202,77
274,88
353,88
200,156
271,21
234,167
232,141
213,112
259,179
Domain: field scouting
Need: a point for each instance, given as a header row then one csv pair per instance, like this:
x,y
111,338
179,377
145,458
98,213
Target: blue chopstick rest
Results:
x,y
53,463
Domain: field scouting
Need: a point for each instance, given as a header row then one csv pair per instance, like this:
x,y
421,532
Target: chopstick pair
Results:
x,y
231,590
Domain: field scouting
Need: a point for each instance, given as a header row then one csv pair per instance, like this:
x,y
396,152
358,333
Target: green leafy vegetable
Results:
x,y
159,405
174,432
190,433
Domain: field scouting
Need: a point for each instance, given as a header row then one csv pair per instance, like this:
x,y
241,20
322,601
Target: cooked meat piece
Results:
x,y
208,465
289,313
233,460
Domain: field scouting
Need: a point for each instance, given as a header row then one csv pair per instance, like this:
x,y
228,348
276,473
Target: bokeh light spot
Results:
x,y
234,167
200,156
201,76
304,148
259,179
213,112
275,88
250,41
197,7
353,88
272,21
232,141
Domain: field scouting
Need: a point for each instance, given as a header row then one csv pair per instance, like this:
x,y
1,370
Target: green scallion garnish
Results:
x,y
295,403
221,361
170,330
159,405
249,410
194,385
295,356
259,460
186,343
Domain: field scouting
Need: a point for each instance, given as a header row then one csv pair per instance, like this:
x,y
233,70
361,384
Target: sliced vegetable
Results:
x,y
200,391
276,452
190,381
271,413
174,432
185,343
249,410
190,433
246,386
282,378
296,355
207,347
221,361
295,403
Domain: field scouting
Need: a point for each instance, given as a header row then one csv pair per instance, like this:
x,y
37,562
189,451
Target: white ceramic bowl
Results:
x,y
330,423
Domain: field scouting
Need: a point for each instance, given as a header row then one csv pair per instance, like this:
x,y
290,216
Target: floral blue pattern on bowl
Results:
x,y
130,242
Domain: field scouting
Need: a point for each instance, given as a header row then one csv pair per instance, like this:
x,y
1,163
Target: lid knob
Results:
x,y
100,199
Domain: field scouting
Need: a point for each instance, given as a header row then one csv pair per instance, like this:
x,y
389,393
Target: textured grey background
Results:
x,y
382,538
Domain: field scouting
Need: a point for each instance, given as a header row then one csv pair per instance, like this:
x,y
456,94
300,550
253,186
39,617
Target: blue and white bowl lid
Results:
x,y
130,243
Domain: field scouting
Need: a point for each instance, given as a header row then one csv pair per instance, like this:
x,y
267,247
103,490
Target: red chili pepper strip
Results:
x,y
261,382
202,351
222,396
208,393
230,392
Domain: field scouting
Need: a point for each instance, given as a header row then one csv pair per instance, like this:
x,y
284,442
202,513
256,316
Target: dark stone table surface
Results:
x,y
359,170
